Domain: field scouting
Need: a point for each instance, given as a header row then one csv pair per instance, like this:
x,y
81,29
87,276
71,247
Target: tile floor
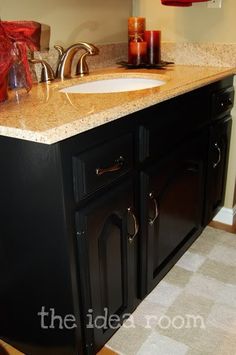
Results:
x,y
193,309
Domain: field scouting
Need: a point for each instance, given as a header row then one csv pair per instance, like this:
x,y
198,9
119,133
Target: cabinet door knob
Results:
x,y
156,212
136,225
118,164
216,146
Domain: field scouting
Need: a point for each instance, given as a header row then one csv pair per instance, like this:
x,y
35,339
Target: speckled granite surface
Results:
x,y
47,115
183,53
212,54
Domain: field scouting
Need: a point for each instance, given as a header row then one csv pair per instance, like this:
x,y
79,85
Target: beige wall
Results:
x,y
97,21
197,24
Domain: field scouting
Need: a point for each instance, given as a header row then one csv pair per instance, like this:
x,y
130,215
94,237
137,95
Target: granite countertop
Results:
x,y
47,115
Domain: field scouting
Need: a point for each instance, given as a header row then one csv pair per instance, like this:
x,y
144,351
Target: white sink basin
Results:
x,y
113,85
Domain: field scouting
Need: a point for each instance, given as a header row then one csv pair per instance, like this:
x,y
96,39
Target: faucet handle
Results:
x,y
47,73
82,66
60,50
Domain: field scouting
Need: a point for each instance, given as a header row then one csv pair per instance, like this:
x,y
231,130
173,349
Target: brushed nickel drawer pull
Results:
x,y
219,155
136,225
118,164
153,199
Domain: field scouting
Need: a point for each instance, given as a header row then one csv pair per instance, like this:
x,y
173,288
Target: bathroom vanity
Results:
x,y
91,223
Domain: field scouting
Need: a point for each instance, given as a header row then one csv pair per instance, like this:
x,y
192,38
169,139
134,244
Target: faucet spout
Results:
x,y
66,58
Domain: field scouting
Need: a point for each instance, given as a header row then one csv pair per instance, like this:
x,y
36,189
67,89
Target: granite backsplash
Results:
x,y
186,53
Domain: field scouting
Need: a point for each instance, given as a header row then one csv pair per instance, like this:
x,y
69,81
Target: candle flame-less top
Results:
x,y
136,25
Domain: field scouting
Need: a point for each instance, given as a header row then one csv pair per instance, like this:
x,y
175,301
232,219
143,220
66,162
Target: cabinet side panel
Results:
x,y
34,259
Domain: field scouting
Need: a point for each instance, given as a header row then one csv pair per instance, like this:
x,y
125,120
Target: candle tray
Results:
x,y
160,65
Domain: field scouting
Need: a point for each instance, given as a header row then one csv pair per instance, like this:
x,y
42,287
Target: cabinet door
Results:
x,y
107,250
217,166
174,204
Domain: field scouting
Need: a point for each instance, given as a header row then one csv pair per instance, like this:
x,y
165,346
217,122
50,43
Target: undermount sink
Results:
x,y
113,85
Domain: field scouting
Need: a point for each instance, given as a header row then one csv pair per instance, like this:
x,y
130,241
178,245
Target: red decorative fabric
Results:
x,y
16,37
176,3
183,3
5,53
24,31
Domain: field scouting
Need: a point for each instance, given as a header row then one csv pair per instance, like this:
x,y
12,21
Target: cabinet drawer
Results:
x,y
102,164
165,125
222,102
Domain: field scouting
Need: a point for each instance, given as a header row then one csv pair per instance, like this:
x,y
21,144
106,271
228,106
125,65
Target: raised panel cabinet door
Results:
x,y
217,166
174,204
107,236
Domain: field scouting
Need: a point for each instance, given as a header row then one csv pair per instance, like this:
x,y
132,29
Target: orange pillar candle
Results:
x,y
136,27
137,52
137,47
153,39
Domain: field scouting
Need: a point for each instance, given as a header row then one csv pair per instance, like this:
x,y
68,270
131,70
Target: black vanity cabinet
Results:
x,y
183,152
102,203
217,168
39,294
107,255
173,163
91,224
173,203
219,141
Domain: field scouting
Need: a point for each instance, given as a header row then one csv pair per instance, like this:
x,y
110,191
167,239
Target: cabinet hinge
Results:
x,y
89,348
80,233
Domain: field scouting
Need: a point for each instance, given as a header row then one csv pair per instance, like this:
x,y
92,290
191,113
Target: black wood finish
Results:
x,y
102,164
65,226
35,251
222,102
103,229
217,166
174,198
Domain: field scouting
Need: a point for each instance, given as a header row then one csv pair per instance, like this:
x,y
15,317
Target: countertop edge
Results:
x,y
64,131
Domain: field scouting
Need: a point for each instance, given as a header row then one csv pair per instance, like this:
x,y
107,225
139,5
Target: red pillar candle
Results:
x,y
137,52
153,39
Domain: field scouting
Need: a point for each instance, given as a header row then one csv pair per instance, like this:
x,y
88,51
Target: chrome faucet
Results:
x,y
66,57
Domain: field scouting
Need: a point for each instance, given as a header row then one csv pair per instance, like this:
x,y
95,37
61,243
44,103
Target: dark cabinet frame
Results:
x,y
175,215
108,262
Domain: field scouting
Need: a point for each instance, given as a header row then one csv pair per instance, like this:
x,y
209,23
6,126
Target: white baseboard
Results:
x,y
226,216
